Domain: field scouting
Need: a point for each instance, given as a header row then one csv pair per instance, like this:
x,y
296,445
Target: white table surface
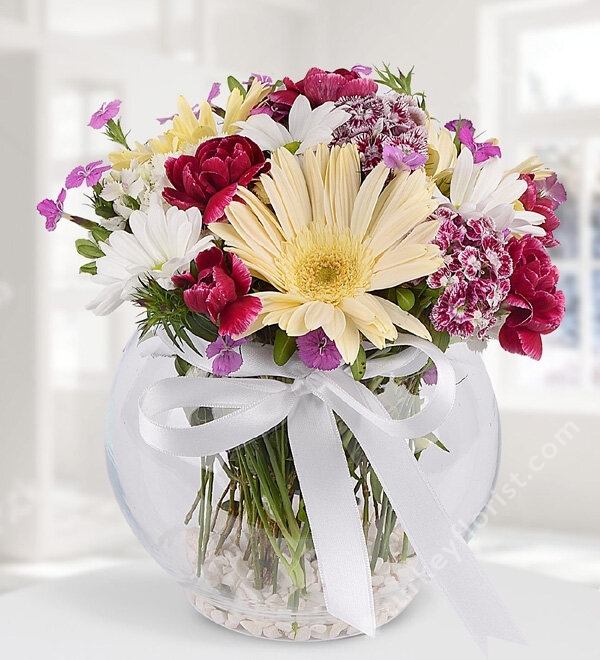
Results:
x,y
135,612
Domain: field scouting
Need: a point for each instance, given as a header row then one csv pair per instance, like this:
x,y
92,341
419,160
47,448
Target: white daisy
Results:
x,y
484,189
160,244
307,127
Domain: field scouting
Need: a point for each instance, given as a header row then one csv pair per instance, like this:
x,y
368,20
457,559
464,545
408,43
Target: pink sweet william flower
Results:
x,y
226,358
317,351
397,158
210,178
90,173
52,210
465,132
106,112
219,289
535,305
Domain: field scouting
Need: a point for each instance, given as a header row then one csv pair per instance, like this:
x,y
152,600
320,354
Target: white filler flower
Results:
x,y
159,245
307,127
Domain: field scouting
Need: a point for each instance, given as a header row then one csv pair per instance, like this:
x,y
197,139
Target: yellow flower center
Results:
x,y
325,263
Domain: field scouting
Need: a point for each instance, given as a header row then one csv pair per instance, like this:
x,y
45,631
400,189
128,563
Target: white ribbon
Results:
x,y
256,405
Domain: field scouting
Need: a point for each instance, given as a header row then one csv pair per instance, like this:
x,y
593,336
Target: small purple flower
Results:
x,y
465,132
89,173
396,159
317,351
106,112
227,360
215,90
195,110
362,70
263,79
52,210
551,188
430,376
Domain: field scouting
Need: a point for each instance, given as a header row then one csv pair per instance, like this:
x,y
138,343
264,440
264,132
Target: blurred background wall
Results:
x,y
525,71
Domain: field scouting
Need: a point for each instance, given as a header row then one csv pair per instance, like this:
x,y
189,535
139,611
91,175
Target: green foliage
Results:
x,y
405,298
234,83
90,268
283,347
88,249
100,233
399,82
359,366
114,132
167,310
102,207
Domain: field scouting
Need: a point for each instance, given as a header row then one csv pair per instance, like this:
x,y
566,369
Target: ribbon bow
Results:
x,y
256,405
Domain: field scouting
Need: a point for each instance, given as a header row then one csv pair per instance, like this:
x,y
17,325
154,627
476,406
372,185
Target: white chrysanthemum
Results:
x,y
484,189
160,244
330,240
307,127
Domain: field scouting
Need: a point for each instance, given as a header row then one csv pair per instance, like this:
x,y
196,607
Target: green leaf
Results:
x,y
100,233
283,347
201,326
90,268
405,298
376,486
234,83
131,202
181,366
88,249
440,339
359,366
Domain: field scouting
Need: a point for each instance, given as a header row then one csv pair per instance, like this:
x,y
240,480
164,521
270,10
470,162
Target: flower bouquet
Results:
x,y
320,258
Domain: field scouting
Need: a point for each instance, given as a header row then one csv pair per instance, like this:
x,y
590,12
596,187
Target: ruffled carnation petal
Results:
x,y
237,317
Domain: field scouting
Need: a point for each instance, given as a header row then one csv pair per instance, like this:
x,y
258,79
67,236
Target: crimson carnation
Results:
x,y
534,200
219,289
535,305
319,86
210,178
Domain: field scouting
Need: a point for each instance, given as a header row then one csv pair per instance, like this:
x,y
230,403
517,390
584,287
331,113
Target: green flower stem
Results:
x,y
404,555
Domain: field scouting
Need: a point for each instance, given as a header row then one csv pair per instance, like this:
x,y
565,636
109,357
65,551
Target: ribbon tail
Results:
x,y
439,546
322,471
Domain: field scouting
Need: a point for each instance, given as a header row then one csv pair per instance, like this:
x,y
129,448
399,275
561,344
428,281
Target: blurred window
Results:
x,y
540,96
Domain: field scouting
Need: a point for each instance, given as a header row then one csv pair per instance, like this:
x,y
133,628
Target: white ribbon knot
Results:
x,y
254,405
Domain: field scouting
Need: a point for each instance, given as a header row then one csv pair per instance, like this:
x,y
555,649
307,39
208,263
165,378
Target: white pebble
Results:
x,y
253,627
233,620
337,629
218,616
284,626
303,634
377,580
272,632
318,631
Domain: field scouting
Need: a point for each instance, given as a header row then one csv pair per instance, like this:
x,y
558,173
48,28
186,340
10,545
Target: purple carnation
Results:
x,y
317,351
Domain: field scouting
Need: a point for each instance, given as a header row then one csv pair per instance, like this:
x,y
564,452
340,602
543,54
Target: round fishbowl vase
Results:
x,y
232,528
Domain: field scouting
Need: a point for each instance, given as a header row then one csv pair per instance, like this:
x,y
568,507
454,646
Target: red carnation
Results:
x,y
219,289
210,178
535,306
319,86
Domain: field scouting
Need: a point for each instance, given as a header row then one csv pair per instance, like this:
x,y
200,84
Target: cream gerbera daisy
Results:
x,y
329,240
